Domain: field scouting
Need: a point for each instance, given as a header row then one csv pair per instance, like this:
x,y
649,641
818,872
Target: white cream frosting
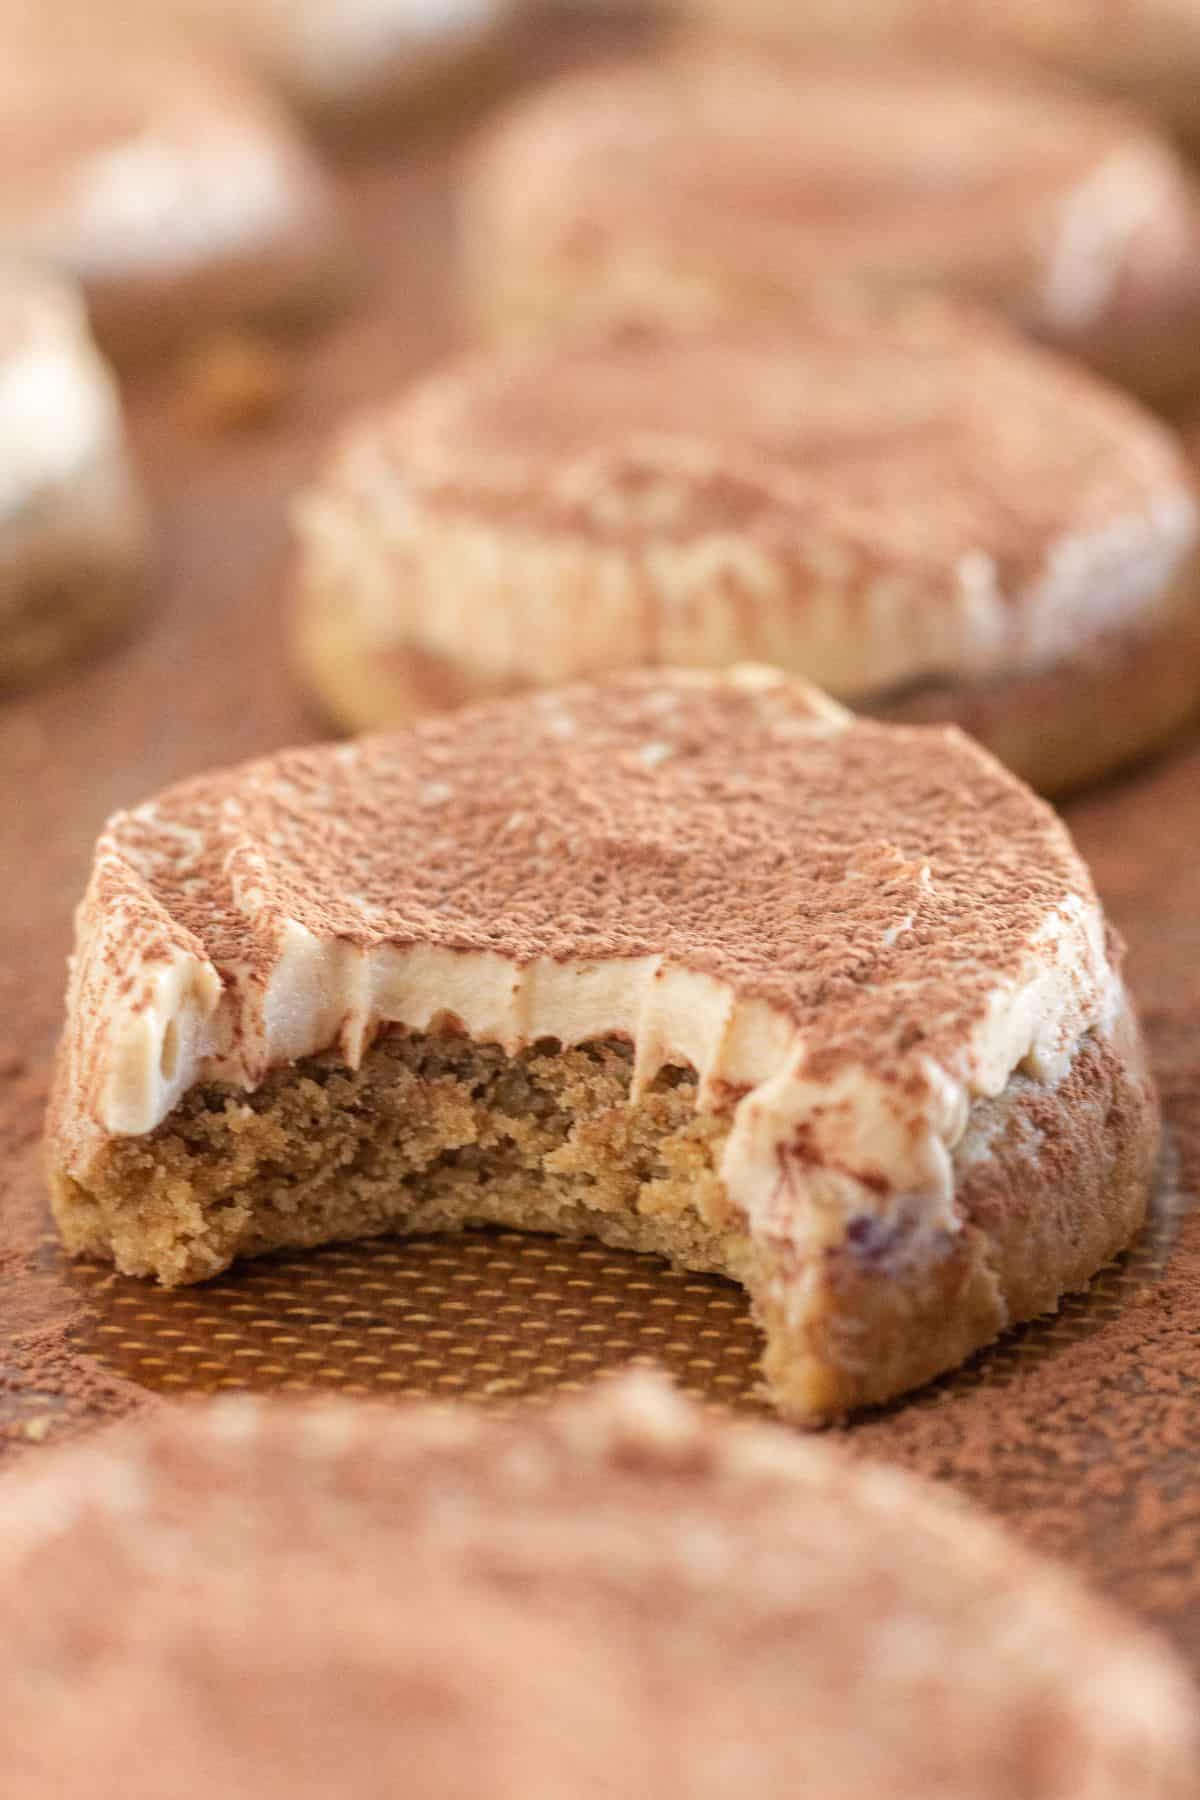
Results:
x,y
407,575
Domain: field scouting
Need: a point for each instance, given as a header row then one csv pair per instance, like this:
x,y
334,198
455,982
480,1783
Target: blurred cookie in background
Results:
x,y
898,499
179,197
1144,51
656,185
74,535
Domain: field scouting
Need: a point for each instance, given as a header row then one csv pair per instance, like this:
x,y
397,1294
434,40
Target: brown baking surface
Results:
x,y
1085,1430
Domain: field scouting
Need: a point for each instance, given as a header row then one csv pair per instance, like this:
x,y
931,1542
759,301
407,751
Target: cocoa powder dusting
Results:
x,y
1084,1434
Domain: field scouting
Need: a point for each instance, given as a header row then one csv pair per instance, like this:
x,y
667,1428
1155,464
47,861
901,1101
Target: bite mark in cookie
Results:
x,y
74,535
655,187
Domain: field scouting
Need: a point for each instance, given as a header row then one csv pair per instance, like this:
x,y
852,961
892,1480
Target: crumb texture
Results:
x,y
433,1133
437,1133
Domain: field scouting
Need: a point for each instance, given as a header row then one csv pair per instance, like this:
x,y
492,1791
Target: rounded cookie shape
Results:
x,y
894,498
74,534
652,186
698,965
1145,51
617,1596
179,197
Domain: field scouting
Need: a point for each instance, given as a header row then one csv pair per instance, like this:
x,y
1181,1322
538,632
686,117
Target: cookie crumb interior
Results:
x,y
433,1132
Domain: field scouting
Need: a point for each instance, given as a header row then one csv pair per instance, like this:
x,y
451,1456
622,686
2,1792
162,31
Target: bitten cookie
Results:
x,y
693,965
1144,51
653,186
178,197
899,500
74,534
617,1597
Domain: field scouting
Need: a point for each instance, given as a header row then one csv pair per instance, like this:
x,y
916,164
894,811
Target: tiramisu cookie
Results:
x,y
615,1598
73,529
179,198
1147,51
898,500
694,965
651,187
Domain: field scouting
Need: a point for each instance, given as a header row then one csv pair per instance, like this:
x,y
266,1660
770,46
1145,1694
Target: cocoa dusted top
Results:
x,y
743,829
656,180
614,1598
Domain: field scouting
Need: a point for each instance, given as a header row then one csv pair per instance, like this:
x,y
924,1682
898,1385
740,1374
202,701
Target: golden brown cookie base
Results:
x,y
71,575
1121,699
432,1133
435,1133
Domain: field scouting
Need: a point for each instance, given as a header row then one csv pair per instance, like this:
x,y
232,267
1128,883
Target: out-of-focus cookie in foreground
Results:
x,y
697,965
617,1596
74,535
655,185
1144,51
178,196
898,499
